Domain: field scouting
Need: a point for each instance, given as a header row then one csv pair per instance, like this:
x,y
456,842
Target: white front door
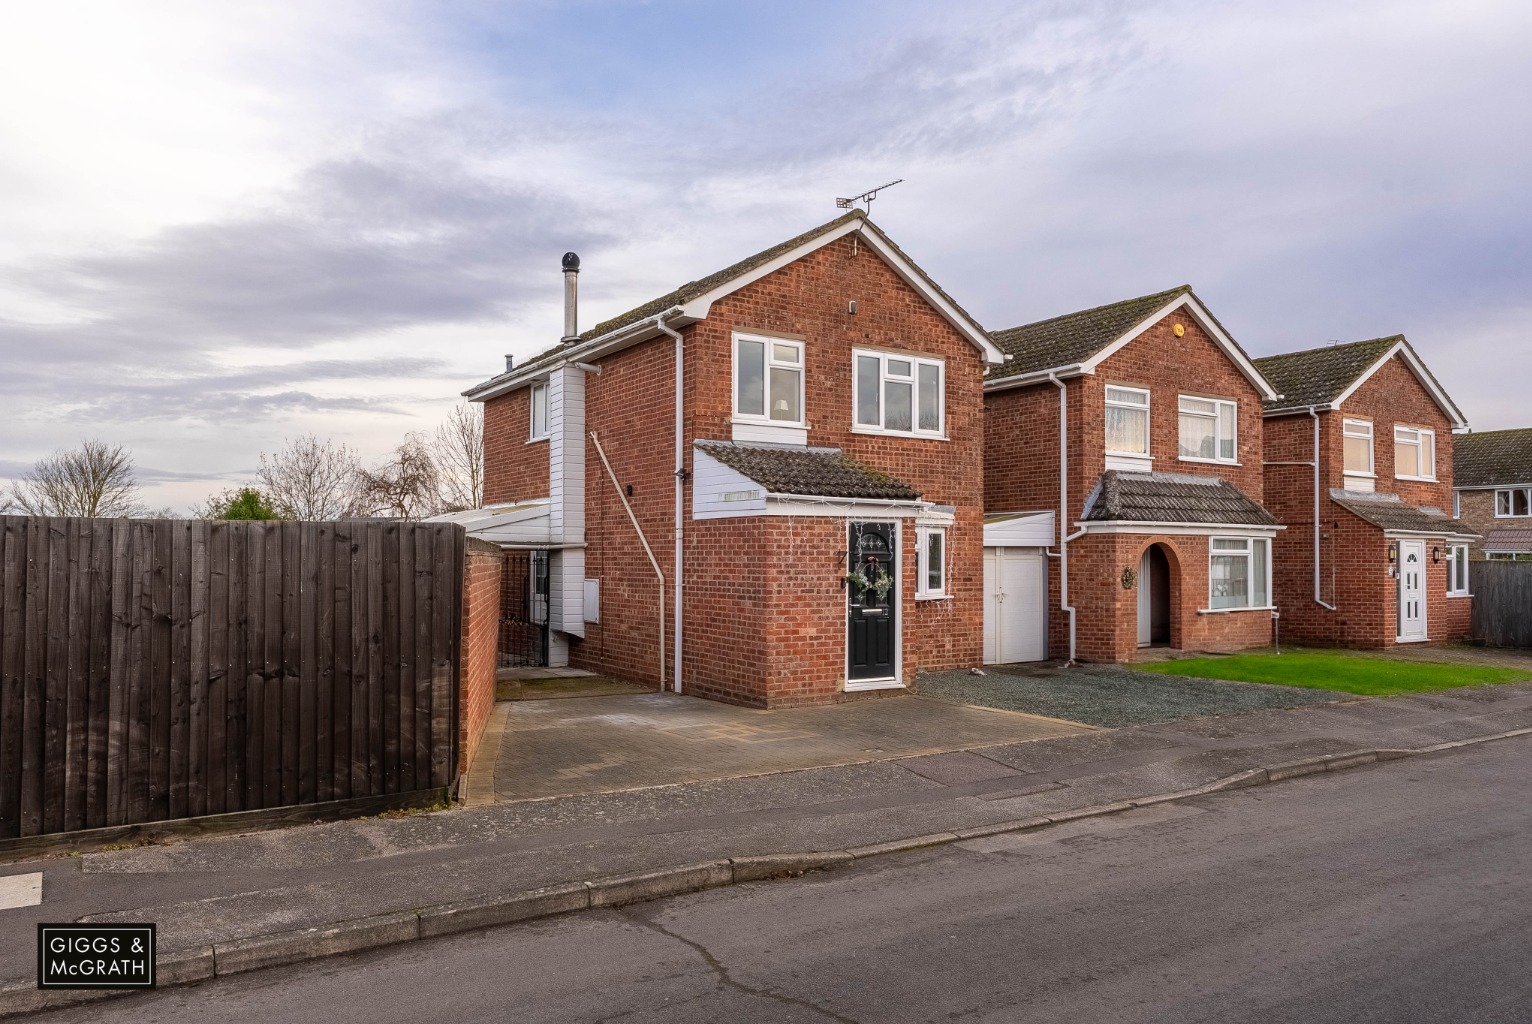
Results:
x,y
1412,590
1015,605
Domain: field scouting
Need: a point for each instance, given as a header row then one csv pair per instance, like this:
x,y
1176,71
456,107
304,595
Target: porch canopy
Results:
x,y
733,479
1178,500
1397,519
523,524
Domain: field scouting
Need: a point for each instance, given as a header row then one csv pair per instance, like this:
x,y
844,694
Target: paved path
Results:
x,y
601,744
215,890
1394,893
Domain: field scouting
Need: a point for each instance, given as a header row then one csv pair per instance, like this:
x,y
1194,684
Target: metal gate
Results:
x,y
524,609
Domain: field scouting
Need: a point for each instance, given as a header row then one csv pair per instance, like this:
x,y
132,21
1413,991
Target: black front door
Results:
x,y
872,596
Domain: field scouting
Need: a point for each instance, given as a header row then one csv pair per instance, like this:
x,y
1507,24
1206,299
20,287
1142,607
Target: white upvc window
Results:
x,y
1457,570
931,562
1209,429
1239,572
1414,453
892,393
1358,447
539,402
768,380
1127,421
1513,502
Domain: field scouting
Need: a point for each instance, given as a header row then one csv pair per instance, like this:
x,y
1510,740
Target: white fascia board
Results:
x,y
1208,324
1023,380
1429,535
613,341
1033,530
698,308
1182,529
1418,368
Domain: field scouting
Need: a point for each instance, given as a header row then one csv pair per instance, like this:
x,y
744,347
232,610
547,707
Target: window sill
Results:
x,y
933,597
912,434
539,440
1417,480
1207,462
1459,593
1412,640
762,421
1356,473
1226,611
859,685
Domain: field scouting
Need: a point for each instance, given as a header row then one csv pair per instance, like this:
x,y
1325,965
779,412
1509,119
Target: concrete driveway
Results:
x,y
547,748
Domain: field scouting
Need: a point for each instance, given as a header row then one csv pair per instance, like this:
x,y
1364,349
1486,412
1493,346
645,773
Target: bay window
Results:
x,y
768,380
931,562
1127,420
1208,429
1414,453
898,394
1239,573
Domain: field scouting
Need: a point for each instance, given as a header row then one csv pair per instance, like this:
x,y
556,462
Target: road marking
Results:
x,y
1011,842
21,890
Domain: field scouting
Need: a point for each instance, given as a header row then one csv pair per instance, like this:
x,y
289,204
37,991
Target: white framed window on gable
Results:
x,y
538,430
768,380
1513,502
1209,430
1414,453
931,563
1127,428
1239,573
898,394
1457,570
1356,443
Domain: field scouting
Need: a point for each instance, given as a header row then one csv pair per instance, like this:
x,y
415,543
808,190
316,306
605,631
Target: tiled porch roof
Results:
x,y
1122,497
817,472
1389,512
1513,539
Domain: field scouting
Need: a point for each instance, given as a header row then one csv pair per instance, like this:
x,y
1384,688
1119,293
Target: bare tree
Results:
x,y
310,479
95,479
406,485
458,446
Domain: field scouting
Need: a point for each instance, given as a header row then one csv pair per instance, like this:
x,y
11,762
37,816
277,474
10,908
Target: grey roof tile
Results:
x,y
1492,457
1317,376
1517,539
1172,498
1073,337
820,472
1389,512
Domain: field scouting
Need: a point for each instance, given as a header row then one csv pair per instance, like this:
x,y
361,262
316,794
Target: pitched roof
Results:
x,y
820,472
1074,337
1492,457
1121,497
1318,376
1518,540
1389,512
701,287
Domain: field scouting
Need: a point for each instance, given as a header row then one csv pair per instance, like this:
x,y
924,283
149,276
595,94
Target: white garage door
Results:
x,y
1015,605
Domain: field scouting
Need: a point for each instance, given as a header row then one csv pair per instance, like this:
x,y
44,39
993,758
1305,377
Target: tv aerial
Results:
x,y
866,197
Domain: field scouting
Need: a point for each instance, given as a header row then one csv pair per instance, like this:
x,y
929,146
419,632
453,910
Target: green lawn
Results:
x,y
1337,670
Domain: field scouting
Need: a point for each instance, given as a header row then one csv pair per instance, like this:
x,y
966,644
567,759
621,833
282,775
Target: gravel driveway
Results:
x,y
1111,695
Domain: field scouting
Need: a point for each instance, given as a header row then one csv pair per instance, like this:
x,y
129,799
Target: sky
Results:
x,y
224,225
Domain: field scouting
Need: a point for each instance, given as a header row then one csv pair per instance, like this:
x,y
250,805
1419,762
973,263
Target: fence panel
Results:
x,y
1502,603
155,669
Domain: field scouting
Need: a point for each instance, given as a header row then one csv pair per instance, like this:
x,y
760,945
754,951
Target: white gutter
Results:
x,y
680,358
1317,591
1063,554
654,562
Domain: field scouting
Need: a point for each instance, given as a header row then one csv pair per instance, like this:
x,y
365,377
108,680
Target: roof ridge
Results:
x,y
1339,346
1178,290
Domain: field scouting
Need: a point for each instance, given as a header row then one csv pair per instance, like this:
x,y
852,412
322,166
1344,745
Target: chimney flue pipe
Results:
x,y
571,297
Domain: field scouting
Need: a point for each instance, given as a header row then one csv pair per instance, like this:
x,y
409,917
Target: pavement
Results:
x,y
1393,893
216,899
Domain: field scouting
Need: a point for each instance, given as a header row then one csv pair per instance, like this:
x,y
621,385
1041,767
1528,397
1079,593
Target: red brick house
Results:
x,y
1492,491
1123,486
1359,455
764,487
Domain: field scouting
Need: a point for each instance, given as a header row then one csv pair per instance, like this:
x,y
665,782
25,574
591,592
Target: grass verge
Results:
x,y
1337,670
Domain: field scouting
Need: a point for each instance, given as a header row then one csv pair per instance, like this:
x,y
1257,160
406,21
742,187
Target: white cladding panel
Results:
x,y
566,454
1015,605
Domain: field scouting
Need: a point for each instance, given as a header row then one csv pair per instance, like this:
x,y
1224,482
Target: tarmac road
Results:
x,y
1399,892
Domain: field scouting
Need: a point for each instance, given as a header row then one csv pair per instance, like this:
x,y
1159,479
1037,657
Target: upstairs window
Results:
x,y
1414,453
1240,573
1358,447
898,394
1127,420
768,380
539,428
1208,429
1513,503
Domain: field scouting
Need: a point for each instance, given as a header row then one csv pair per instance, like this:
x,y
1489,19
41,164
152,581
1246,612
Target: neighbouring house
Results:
x,y
765,487
1492,489
1358,462
1123,486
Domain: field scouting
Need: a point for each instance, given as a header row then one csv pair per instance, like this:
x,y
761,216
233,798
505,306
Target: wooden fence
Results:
x,y
152,670
1502,603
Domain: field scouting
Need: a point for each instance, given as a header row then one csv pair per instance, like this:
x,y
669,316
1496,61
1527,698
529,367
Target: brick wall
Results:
x,y
482,565
734,567
1394,397
1477,510
513,469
